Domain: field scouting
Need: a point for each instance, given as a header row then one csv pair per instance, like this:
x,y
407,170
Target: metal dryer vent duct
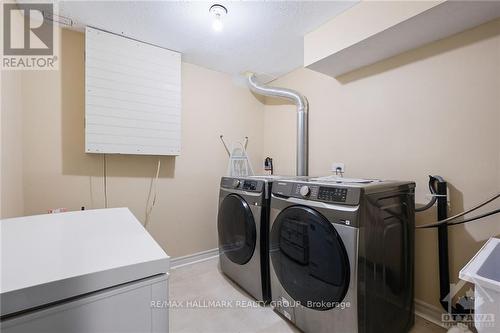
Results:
x,y
300,101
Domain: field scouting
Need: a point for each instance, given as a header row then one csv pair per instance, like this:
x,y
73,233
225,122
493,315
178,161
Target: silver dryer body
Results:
x,y
341,255
242,225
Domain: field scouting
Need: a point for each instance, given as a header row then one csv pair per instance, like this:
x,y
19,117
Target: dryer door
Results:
x,y
236,228
309,258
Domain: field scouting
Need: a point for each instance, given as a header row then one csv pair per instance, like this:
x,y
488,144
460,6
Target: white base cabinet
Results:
x,y
93,271
132,307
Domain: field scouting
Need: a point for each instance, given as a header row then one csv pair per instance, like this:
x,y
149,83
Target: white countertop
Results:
x,y
45,258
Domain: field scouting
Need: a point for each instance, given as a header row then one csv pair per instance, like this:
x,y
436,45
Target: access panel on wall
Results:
x,y
132,96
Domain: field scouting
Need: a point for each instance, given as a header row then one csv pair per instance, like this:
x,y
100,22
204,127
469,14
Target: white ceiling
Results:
x,y
264,37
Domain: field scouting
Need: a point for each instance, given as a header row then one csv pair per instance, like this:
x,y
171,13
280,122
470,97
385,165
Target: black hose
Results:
x,y
438,189
444,270
432,189
433,199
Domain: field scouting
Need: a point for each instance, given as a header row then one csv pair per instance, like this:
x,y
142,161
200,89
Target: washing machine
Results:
x,y
341,254
243,230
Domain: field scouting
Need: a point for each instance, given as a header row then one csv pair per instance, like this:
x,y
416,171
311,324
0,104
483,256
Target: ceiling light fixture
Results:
x,y
218,12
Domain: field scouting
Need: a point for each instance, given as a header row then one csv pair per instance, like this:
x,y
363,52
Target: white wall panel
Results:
x,y
132,96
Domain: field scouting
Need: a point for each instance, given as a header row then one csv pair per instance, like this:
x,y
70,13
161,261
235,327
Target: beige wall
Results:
x,y
11,152
57,172
434,110
11,176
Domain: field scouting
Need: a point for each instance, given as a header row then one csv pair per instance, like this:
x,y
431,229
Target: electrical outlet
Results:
x,y
338,167
57,210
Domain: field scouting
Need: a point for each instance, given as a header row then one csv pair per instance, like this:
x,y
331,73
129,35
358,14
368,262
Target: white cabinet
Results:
x,y
121,309
88,271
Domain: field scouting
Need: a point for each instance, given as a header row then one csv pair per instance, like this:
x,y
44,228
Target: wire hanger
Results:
x,y
225,145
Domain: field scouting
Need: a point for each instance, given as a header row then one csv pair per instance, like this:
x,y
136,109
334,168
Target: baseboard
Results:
x,y
193,258
429,312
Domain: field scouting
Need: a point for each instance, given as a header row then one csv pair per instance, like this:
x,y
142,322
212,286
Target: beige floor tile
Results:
x,y
203,282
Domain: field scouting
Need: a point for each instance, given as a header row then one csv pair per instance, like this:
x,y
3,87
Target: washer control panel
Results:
x,y
332,194
318,192
321,193
306,191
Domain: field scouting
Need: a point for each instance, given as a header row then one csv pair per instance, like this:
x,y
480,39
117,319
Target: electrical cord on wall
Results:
x,y
152,189
493,212
105,179
446,221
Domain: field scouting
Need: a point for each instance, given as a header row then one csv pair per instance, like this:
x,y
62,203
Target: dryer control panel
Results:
x,y
248,185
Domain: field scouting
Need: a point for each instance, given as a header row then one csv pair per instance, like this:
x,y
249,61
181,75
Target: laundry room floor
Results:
x,y
202,299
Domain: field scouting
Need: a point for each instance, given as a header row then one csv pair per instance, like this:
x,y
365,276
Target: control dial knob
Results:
x,y
236,183
305,191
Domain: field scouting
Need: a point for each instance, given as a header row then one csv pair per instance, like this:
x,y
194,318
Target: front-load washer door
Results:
x,y
236,228
309,258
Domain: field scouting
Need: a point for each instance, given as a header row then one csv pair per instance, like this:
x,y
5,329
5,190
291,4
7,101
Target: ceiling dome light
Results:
x,y
218,12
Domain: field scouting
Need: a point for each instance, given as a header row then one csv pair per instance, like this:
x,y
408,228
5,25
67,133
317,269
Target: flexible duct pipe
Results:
x,y
300,101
